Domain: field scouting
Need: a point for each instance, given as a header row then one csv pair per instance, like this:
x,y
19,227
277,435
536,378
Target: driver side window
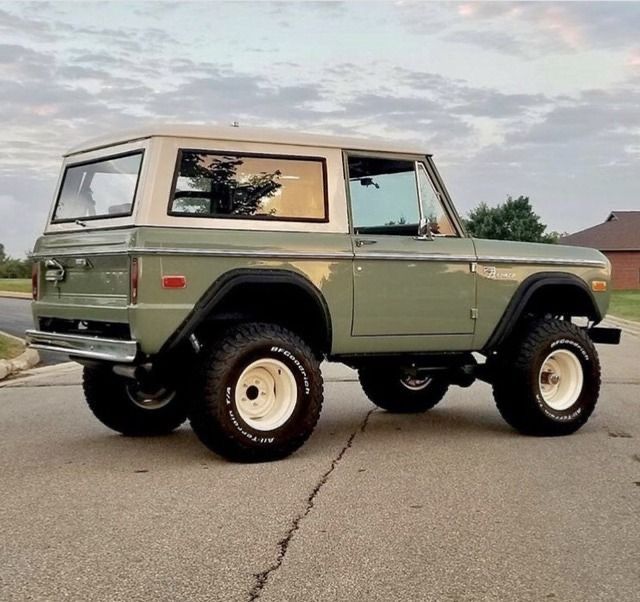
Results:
x,y
384,196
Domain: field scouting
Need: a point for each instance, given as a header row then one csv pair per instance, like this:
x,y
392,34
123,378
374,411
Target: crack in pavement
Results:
x,y
283,545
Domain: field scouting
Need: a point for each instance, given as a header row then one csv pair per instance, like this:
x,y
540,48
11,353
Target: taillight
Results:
x,y
35,272
134,280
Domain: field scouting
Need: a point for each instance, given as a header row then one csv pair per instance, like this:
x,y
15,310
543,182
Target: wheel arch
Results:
x,y
304,310
546,292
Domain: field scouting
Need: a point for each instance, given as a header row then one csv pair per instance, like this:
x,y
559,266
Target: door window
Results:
x,y
384,196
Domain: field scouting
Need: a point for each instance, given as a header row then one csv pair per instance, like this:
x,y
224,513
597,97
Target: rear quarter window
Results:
x,y
229,185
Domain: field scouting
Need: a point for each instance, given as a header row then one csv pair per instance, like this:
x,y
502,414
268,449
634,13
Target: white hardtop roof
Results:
x,y
246,134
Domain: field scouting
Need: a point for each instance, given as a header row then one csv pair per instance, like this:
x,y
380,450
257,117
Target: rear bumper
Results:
x,y
608,336
111,350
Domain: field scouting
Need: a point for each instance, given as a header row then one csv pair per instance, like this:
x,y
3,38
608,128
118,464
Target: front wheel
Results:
x,y
262,394
548,383
395,391
125,406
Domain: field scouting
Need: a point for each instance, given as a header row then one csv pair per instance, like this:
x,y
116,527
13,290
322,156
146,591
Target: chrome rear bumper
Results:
x,y
112,350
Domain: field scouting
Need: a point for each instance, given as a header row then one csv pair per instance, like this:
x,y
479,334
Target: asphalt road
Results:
x,y
449,505
15,318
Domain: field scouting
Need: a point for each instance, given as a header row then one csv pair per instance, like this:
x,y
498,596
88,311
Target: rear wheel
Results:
x,y
548,382
395,391
126,406
262,394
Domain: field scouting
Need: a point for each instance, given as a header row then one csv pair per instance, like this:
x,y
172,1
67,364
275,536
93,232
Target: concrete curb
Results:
x,y
15,295
27,359
35,374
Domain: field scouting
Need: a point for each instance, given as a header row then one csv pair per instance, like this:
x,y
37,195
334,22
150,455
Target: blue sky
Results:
x,y
541,99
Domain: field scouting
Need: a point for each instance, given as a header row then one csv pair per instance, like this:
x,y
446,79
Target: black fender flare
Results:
x,y
523,295
226,283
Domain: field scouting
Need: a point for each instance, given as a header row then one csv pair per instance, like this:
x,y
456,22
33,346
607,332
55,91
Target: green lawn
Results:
x,y
15,285
9,348
625,304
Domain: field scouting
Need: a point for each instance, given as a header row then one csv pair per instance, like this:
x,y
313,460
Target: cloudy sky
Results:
x,y
540,99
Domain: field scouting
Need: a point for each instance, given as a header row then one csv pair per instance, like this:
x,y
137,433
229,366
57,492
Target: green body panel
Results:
x,y
430,295
417,301
495,291
160,311
97,289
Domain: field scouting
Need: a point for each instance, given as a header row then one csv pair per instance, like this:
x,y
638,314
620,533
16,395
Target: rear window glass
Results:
x,y
241,186
98,189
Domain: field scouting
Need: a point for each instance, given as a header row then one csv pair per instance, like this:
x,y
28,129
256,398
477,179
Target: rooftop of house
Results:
x,y
619,232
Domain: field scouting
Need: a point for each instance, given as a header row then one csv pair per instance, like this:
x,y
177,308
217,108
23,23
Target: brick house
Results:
x,y
619,239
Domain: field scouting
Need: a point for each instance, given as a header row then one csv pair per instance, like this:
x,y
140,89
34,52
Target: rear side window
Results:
x,y
98,189
247,186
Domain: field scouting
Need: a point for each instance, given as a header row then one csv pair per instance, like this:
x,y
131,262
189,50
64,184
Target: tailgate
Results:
x,y
83,276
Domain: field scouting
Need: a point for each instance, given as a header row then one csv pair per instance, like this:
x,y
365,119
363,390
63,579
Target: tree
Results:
x,y
13,268
512,220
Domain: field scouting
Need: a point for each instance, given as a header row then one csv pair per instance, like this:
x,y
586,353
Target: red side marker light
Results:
x,y
174,282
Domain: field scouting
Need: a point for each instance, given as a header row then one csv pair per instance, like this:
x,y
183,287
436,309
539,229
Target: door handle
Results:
x,y
361,242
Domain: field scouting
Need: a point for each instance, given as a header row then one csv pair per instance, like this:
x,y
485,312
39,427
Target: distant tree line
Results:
x,y
13,268
512,220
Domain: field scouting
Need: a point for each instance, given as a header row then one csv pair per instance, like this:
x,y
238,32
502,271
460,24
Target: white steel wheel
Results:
x,y
266,394
560,379
415,384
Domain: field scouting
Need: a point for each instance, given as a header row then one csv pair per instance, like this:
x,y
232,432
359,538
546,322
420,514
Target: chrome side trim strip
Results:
x,y
415,257
243,253
203,253
113,350
93,253
328,256
543,261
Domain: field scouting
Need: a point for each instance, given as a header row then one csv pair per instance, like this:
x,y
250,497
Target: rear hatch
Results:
x,y
83,277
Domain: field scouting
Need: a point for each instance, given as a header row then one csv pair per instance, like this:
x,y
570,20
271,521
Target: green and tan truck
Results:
x,y
205,273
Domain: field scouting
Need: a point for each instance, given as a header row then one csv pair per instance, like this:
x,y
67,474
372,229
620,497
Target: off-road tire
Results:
x,y
108,398
516,379
385,389
215,416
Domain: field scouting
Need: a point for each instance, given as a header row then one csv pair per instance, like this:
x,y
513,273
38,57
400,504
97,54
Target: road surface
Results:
x,y
449,505
15,318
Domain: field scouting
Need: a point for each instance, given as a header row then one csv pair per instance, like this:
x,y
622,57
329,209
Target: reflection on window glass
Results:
x,y
100,189
384,196
432,208
216,185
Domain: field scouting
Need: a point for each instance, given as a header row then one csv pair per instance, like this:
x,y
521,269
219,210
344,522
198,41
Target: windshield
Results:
x,y
98,189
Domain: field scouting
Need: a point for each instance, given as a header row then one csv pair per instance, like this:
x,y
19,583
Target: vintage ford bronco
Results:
x,y
204,273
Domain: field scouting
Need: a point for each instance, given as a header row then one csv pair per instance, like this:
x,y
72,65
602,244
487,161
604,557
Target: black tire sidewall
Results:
x,y
586,398
110,401
228,412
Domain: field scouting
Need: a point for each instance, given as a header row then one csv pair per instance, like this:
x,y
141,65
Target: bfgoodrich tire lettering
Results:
x,y
222,418
548,382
